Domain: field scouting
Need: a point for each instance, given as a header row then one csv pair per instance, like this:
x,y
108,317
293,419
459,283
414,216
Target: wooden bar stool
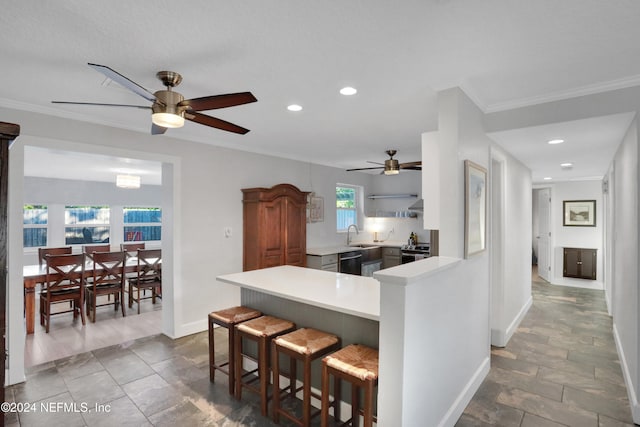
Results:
x,y
261,330
305,345
227,318
357,364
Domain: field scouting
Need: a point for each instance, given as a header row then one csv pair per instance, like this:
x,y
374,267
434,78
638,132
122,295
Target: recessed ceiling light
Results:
x,y
348,90
566,165
294,107
547,178
555,141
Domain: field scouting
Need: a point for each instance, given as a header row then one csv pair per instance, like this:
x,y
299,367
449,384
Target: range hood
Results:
x,y
417,206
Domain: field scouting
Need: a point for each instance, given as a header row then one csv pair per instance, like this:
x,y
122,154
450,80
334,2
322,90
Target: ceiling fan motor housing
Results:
x,y
170,100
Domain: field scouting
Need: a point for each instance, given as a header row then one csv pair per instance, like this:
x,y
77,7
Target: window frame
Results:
x,y
44,226
126,224
357,209
93,225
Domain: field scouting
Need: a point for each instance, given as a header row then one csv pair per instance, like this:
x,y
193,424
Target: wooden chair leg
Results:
x,y
306,392
263,357
355,406
276,383
324,405
368,404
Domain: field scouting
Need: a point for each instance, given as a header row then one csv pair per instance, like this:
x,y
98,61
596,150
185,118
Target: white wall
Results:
x,y
624,289
451,308
576,237
511,270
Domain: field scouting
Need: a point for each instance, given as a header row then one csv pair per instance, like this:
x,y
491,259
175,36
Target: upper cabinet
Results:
x,y
275,227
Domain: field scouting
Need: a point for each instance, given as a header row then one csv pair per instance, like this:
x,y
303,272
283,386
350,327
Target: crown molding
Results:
x,y
622,83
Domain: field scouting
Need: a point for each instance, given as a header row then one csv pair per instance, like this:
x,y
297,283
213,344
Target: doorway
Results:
x,y
165,317
542,232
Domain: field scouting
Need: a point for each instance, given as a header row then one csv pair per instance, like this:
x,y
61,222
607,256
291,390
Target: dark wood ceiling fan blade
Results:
x,y
144,107
124,81
203,119
218,101
411,168
408,164
364,169
157,130
375,163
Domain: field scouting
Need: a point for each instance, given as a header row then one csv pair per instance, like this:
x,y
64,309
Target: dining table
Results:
x,y
35,274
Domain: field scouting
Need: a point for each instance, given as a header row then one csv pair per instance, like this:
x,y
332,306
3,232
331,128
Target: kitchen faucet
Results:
x,y
348,235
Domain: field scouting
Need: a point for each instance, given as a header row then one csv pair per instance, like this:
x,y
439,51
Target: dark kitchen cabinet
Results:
x,y
274,227
580,263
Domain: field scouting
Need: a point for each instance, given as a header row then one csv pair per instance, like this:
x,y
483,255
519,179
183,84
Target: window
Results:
x,y
35,220
346,206
86,224
142,224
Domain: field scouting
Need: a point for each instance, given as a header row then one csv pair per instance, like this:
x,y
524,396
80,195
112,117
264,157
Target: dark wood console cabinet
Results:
x,y
274,227
580,263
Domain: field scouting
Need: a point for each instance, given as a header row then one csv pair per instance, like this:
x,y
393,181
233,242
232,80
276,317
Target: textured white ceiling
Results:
x,y
503,53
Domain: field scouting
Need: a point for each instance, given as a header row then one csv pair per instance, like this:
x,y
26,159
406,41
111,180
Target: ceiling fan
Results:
x,y
391,166
169,108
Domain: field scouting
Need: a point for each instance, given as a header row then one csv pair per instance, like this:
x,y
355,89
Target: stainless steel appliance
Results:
x,y
410,253
350,262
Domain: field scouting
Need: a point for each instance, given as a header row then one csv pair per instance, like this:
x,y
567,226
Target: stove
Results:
x,y
412,253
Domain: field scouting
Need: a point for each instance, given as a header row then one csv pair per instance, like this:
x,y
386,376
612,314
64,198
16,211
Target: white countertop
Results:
x,y
345,293
328,250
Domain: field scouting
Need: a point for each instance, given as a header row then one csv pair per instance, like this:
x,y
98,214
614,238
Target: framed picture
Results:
x,y
316,209
475,208
579,213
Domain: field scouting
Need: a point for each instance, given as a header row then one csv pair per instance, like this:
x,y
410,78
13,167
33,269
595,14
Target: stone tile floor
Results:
x,y
153,381
560,368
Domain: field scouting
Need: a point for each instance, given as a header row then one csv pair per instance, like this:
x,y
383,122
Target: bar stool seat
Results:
x,y
306,345
357,364
227,318
261,330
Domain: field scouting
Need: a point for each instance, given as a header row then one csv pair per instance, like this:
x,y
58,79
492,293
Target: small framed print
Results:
x,y
475,208
316,209
579,213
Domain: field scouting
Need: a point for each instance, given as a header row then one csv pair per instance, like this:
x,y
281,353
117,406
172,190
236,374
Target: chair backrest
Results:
x,y
150,265
65,271
90,249
108,268
43,252
131,248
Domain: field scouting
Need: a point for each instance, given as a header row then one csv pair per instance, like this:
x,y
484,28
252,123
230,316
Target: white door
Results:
x,y
544,233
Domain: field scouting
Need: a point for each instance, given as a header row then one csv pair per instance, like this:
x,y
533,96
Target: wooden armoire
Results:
x,y
275,227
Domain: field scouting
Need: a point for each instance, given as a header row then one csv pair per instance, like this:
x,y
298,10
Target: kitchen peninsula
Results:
x,y
421,316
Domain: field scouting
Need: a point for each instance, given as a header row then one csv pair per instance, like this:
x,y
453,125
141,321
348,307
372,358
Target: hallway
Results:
x,y
559,368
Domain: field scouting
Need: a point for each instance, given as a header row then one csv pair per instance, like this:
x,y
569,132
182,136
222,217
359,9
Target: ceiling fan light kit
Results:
x,y
128,181
391,167
170,109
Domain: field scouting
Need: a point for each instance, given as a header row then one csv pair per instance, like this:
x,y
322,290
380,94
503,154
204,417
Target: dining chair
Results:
x,y
43,252
90,249
107,278
65,280
132,248
149,276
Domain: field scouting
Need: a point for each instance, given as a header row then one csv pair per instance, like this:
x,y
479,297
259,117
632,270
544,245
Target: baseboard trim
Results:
x,y
500,338
578,283
457,408
191,328
633,399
